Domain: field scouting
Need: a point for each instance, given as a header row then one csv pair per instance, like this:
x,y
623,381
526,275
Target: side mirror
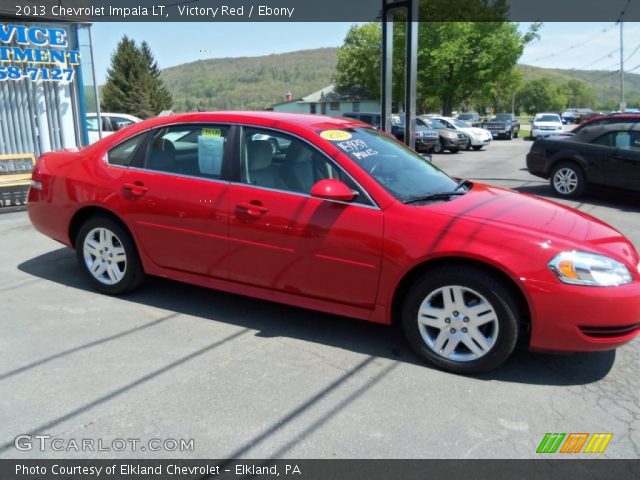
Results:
x,y
332,189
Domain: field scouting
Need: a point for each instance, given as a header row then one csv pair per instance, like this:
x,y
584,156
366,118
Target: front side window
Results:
x,y
606,140
278,161
402,172
123,153
193,150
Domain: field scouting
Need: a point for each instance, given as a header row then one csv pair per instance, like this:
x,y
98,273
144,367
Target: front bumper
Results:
x,y
459,143
535,133
426,143
477,142
570,318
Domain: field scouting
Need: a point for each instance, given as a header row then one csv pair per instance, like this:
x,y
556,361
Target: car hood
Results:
x,y
449,130
539,219
476,132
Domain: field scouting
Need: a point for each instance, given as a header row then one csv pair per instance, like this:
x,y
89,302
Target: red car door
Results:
x,y
176,199
283,239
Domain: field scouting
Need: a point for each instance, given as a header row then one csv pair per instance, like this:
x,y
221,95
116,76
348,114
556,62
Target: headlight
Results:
x,y
581,268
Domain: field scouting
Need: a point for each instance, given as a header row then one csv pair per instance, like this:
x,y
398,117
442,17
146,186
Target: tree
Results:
x,y
541,96
456,60
160,97
359,60
133,82
578,94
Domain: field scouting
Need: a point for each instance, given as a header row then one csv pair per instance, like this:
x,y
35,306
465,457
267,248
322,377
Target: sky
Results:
x,y
588,46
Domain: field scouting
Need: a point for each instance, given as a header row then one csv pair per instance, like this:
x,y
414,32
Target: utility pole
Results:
x,y
622,104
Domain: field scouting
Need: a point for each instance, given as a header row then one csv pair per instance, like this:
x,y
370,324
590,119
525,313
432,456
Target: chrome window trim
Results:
x,y
181,175
329,159
305,195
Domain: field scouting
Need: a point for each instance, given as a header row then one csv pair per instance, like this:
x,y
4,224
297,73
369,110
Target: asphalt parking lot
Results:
x,y
246,378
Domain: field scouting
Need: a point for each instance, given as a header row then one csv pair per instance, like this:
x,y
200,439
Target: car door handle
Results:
x,y
253,208
136,189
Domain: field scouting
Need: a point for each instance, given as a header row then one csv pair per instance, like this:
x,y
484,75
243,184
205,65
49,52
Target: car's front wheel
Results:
x,y
477,147
461,319
567,180
438,148
108,256
454,150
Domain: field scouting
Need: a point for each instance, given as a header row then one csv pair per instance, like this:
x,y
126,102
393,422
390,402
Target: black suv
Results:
x,y
504,125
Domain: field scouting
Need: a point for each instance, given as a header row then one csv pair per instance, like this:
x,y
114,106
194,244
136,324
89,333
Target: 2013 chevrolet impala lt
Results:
x,y
330,214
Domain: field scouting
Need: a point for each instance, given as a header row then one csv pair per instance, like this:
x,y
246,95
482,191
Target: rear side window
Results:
x,y
193,150
123,153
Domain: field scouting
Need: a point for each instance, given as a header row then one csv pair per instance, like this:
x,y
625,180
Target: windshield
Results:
x,y
460,124
503,117
548,118
402,172
433,123
466,116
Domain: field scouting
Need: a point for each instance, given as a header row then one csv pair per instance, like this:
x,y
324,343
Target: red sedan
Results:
x,y
329,214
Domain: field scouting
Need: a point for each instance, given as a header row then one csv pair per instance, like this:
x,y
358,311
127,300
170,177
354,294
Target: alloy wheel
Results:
x,y
458,323
565,181
104,256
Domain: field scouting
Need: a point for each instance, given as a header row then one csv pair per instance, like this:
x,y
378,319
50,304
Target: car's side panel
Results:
x,y
181,223
303,245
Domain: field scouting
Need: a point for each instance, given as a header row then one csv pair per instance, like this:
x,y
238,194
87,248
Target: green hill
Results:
x,y
249,82
258,82
605,84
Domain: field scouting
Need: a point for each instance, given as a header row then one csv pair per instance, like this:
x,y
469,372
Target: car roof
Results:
x,y
310,122
588,134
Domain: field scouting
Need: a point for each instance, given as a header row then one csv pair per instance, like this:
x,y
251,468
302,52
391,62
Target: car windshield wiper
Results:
x,y
439,195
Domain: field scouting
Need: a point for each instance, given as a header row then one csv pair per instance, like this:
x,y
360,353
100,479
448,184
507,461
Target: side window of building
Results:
x,y
193,150
123,153
278,161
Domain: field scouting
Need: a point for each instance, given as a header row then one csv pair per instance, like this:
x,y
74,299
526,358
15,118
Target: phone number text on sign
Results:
x,y
37,73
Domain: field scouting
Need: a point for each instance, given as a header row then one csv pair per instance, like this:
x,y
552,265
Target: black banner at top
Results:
x,y
315,10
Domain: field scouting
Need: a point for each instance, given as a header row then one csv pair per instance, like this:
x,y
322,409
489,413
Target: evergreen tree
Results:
x,y
133,82
160,97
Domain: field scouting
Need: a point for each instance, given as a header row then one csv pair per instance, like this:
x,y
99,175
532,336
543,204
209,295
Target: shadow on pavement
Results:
x,y
275,320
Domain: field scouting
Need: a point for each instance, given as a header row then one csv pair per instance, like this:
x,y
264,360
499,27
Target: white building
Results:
x,y
329,102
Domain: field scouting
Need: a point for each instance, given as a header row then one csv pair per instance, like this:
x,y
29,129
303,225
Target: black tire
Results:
x,y
509,135
495,294
468,147
571,172
477,148
515,135
438,148
454,150
131,267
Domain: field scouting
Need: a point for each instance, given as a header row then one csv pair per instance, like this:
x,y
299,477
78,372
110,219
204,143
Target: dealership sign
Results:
x,y
36,53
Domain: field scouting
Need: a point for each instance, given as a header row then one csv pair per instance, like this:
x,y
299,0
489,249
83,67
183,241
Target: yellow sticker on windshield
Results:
x,y
335,135
211,132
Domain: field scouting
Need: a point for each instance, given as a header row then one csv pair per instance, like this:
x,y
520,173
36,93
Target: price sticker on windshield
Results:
x,y
211,132
335,135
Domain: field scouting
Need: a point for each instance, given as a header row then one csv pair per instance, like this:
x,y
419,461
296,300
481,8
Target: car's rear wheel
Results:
x,y
567,180
461,319
108,256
